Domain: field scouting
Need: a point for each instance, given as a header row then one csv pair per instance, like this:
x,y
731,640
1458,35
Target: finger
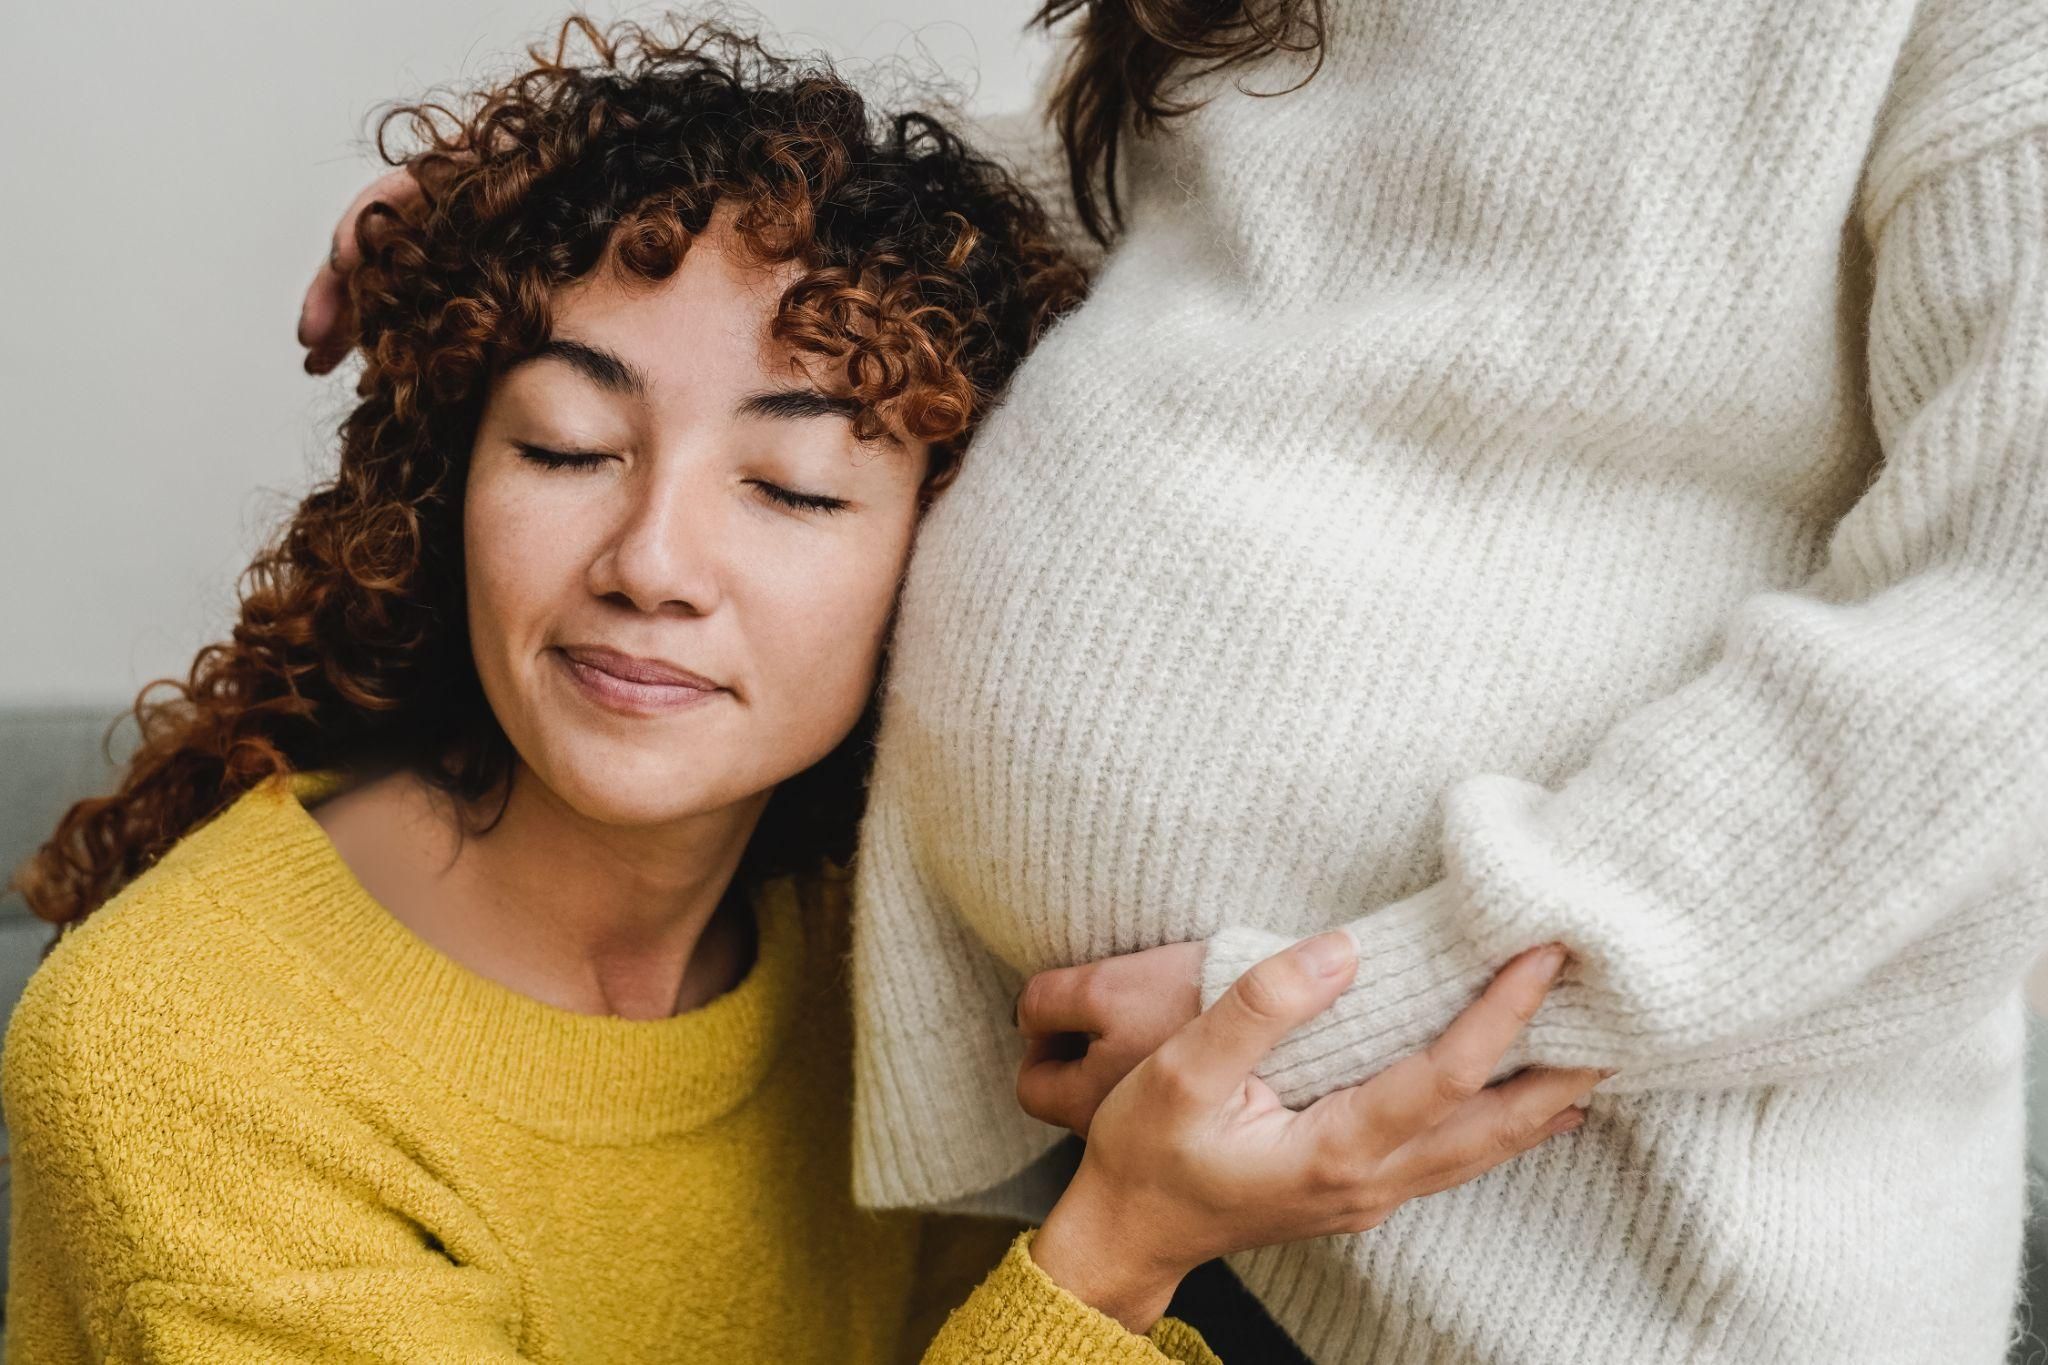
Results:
x,y
395,189
1046,1090
1569,1120
1057,1047
320,314
1065,1094
1213,1053
324,311
1420,1091
1498,1122
1061,1000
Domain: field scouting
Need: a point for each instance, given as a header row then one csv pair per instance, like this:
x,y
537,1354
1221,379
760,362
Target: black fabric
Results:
x,y
1215,1303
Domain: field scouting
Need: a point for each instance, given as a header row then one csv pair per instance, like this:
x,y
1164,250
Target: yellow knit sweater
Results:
x,y
256,1119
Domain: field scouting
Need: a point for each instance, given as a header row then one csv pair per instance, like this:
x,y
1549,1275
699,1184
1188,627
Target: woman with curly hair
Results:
x,y
471,987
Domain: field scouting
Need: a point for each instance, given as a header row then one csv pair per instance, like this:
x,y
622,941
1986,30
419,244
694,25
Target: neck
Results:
x,y
590,917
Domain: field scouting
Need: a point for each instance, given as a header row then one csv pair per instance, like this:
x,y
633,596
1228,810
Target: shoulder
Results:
x,y
189,1104
160,948
169,1064
159,999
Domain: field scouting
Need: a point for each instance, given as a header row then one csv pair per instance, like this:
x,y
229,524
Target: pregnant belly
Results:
x,y
1141,703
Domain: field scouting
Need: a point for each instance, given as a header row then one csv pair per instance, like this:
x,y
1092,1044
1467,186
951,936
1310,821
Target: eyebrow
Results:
x,y
594,363
796,403
618,374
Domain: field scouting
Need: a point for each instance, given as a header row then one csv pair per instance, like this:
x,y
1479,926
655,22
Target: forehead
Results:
x,y
705,327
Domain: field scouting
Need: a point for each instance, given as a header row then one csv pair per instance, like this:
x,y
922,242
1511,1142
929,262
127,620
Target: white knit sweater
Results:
x,y
1577,470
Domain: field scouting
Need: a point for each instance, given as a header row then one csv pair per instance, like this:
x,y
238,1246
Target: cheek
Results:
x,y
824,635
490,571
518,560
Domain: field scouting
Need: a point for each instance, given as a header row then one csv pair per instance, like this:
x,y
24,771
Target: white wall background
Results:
x,y
169,174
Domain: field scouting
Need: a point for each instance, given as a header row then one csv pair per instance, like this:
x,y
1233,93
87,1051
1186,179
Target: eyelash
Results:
x,y
803,502
559,459
787,497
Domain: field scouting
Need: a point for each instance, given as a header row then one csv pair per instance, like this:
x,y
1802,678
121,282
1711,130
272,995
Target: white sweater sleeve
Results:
x,y
1830,843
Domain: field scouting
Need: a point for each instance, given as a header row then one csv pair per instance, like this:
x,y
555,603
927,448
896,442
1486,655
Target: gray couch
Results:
x,y
49,757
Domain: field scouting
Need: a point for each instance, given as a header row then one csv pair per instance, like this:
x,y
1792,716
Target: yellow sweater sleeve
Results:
x,y
174,1205
954,1254
1018,1316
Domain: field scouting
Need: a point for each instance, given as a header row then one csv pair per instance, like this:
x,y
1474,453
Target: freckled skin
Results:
x,y
671,550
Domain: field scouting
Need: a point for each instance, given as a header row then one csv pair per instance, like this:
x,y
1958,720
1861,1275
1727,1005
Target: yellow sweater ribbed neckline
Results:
x,y
570,1077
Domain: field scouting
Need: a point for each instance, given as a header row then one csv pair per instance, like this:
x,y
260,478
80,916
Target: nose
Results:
x,y
662,557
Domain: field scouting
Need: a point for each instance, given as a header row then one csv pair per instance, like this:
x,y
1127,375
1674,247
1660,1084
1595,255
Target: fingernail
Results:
x,y
1567,1122
1327,954
1550,960
1582,1101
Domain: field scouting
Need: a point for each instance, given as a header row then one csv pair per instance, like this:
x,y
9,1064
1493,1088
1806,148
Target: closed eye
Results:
x,y
560,459
805,502
586,459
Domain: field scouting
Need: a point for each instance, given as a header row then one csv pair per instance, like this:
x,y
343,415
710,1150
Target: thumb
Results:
x,y
1217,1050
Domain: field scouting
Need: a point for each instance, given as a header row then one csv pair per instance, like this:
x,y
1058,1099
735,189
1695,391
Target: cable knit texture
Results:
x,y
255,1119
1569,472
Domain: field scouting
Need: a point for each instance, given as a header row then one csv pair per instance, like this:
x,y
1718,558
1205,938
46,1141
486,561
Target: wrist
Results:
x,y
1092,1256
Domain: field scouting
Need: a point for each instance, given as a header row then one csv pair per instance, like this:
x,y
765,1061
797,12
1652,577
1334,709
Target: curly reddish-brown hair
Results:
x,y
926,274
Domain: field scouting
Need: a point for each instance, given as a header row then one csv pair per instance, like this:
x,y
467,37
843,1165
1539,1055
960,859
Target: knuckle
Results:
x,y
1518,1134
1456,1082
1325,1179
1336,1174
1169,1079
1263,993
1093,992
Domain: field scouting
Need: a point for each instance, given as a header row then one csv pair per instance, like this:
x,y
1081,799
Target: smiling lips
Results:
x,y
622,682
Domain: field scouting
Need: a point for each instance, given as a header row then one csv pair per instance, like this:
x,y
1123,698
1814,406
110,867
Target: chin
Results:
x,y
628,789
